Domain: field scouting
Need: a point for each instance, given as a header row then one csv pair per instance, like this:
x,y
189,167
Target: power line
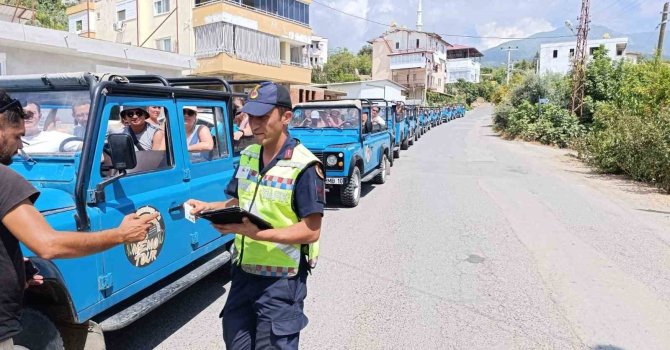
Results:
x,y
443,34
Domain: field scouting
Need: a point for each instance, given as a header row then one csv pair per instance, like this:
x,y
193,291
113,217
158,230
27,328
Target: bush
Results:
x,y
550,125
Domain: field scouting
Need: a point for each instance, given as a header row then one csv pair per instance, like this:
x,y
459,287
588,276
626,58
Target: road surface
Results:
x,y
473,243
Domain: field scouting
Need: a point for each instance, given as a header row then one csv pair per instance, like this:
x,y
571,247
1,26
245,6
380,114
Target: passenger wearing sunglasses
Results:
x,y
146,136
37,141
198,137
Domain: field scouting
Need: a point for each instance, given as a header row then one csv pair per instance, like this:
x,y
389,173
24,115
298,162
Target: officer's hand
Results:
x,y
246,228
134,228
198,206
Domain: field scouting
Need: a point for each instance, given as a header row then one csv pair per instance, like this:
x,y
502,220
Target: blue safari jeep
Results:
x,y
353,147
395,123
423,119
91,173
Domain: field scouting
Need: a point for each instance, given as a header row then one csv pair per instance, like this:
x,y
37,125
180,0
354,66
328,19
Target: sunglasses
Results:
x,y
132,114
189,113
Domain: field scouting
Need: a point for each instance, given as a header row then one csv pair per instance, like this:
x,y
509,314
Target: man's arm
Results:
x,y
158,141
30,227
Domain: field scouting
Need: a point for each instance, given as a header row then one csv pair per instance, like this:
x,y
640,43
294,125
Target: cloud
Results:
x,y
521,29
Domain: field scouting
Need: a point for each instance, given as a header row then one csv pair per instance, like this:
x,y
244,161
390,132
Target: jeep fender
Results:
x,y
52,297
355,161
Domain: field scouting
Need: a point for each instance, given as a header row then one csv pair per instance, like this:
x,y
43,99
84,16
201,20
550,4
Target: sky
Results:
x,y
483,18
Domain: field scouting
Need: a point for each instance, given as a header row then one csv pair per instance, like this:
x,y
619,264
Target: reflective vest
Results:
x,y
270,197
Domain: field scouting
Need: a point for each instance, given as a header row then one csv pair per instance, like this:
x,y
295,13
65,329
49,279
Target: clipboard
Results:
x,y
233,215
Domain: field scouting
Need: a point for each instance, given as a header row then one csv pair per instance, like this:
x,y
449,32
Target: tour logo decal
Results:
x,y
368,153
145,252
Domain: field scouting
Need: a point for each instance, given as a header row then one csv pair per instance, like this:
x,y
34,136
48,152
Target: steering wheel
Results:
x,y
61,148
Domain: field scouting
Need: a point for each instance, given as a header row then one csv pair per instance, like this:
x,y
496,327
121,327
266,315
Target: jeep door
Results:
x,y
372,143
209,171
157,184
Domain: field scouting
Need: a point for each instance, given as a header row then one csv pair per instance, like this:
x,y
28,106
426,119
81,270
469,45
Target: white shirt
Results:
x,y
379,120
49,142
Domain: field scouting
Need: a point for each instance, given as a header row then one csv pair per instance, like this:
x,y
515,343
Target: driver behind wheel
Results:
x,y
38,141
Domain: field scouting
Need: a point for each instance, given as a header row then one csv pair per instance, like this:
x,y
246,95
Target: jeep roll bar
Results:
x,y
199,81
144,79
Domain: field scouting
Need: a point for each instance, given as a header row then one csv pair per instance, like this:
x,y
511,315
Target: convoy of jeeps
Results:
x,y
94,175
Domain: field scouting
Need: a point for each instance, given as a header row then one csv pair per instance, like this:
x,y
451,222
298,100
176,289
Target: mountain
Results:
x,y
644,43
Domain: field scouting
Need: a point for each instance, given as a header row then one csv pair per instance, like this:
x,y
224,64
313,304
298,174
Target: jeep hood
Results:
x,y
317,139
53,199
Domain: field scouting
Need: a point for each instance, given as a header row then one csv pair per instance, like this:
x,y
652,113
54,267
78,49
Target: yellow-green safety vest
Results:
x,y
270,197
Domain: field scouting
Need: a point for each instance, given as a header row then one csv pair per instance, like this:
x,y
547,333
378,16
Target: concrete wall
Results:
x,y
25,61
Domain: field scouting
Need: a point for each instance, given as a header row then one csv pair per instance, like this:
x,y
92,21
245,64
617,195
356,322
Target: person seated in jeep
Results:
x,y
146,136
38,141
80,115
376,118
198,137
364,120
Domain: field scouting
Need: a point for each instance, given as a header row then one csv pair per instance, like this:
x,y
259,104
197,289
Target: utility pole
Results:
x,y
579,67
661,33
509,50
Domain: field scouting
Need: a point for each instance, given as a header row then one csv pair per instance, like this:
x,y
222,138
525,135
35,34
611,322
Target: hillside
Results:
x,y
644,43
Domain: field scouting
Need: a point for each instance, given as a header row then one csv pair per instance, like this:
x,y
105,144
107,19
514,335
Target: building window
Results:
x,y
79,25
121,15
555,53
161,7
619,51
592,50
417,43
164,44
397,45
572,53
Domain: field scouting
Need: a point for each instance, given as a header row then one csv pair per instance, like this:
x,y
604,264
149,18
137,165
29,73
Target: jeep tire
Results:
x,y
380,179
396,153
405,144
350,193
38,332
410,140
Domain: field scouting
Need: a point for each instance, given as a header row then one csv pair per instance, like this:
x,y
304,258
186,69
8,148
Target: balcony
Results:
x,y
287,10
407,61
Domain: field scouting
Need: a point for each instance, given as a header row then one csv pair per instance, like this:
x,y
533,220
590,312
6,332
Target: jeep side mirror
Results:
x,y
122,152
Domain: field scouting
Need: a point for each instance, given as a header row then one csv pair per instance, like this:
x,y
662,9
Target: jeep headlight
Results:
x,y
331,160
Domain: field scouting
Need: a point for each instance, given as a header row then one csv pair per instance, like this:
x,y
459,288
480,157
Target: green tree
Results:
x,y
48,13
343,66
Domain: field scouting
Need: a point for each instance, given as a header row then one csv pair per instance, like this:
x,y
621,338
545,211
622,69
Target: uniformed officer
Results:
x,y
281,181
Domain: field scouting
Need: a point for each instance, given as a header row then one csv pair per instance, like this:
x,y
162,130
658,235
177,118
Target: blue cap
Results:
x,y
264,97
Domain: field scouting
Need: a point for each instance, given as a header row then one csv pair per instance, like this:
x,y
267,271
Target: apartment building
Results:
x,y
558,57
231,39
158,24
415,59
253,39
463,63
318,52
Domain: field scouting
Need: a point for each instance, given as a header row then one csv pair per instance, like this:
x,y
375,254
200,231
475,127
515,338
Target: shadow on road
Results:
x,y
333,198
152,329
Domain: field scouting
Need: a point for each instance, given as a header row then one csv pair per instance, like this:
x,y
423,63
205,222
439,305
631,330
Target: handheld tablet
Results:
x,y
233,215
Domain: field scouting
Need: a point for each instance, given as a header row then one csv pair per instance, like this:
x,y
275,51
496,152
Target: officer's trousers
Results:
x,y
264,312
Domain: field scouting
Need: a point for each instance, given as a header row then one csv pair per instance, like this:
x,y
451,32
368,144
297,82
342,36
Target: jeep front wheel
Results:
x,y
350,193
383,168
38,332
405,144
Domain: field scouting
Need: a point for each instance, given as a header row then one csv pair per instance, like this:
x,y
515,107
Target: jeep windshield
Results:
x,y
55,121
322,118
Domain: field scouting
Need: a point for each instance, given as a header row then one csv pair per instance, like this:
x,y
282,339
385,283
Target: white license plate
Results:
x,y
335,181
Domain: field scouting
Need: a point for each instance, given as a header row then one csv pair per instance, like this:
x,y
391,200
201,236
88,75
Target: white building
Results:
x,y
386,89
318,52
27,49
463,63
557,57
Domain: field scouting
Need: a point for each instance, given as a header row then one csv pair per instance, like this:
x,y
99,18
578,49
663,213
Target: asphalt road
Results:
x,y
473,243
